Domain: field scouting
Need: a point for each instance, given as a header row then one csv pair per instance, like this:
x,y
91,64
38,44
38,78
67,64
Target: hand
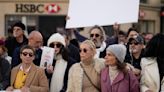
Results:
x,y
136,71
67,18
50,69
9,89
25,89
116,26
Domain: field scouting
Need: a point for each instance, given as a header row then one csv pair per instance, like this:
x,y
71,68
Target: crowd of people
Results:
x,y
126,62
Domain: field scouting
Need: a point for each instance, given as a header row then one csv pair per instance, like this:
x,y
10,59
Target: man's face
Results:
x,y
36,42
17,31
96,37
135,47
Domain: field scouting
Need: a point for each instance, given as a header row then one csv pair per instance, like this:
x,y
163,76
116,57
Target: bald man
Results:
x,y
35,39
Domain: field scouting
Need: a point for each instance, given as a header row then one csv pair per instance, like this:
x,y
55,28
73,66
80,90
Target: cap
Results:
x,y
19,24
137,38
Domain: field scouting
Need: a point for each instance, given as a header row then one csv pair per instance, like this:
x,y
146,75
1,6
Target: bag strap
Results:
x,y
128,79
89,78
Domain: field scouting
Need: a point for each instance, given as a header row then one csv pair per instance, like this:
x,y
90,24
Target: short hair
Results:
x,y
122,33
27,47
131,29
19,24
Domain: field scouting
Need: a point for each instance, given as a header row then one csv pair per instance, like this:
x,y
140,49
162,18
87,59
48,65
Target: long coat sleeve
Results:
x,y
36,79
149,75
122,83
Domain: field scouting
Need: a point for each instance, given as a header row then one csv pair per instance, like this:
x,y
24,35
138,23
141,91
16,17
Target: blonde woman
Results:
x,y
85,76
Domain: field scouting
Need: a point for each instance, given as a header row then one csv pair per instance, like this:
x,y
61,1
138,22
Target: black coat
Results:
x,y
11,44
4,74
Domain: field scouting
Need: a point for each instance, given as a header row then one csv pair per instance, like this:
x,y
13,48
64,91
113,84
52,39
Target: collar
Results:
x,y
102,47
27,70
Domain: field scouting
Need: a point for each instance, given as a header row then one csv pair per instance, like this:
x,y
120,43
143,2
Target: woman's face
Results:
x,y
86,53
57,47
110,59
27,56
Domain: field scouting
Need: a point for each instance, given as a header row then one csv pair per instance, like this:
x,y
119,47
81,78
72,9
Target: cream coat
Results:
x,y
76,75
149,75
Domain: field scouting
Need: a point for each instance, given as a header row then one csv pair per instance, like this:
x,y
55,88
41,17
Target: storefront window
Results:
x,y
29,21
145,26
143,1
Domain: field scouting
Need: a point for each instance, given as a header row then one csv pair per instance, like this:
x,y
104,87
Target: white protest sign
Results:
x,y
47,56
85,13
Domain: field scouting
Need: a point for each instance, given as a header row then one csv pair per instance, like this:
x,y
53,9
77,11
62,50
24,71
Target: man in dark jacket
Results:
x,y
4,74
18,38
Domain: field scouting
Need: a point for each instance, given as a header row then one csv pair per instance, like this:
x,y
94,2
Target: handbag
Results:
x,y
90,78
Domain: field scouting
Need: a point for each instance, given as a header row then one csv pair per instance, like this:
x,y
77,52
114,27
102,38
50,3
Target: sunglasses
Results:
x,y
96,35
135,43
58,45
84,50
26,53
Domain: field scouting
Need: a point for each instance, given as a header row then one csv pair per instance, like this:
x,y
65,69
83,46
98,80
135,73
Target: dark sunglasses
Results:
x,y
26,53
135,43
58,45
84,50
96,35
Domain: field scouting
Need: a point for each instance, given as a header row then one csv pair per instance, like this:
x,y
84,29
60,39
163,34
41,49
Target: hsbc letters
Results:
x,y
37,8
29,8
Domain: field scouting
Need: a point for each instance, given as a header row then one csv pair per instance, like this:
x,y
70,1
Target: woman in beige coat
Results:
x,y
85,76
28,77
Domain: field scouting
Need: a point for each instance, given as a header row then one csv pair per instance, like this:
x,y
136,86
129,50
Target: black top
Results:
x,y
4,74
12,43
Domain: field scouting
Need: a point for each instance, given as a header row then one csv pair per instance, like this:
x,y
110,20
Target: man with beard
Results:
x,y
97,35
136,47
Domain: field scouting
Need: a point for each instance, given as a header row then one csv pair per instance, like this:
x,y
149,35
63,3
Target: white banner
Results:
x,y
85,13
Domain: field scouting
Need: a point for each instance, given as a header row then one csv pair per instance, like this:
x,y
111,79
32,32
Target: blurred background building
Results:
x,y
47,15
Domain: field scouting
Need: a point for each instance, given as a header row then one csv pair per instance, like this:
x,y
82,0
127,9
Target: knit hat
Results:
x,y
118,50
19,24
56,37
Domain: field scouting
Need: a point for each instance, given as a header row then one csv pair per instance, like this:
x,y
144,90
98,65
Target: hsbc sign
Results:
x,y
37,8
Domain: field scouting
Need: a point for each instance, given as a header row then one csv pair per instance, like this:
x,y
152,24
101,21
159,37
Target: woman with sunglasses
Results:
x,y
85,76
116,77
27,77
57,73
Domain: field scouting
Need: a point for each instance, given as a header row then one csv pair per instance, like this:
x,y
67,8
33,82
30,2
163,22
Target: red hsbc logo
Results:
x,y
37,8
52,8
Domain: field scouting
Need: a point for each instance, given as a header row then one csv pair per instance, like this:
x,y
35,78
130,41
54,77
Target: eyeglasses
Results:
x,y
84,50
26,53
135,43
96,35
58,45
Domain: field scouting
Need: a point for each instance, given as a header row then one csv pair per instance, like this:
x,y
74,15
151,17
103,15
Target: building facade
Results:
x,y
47,15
